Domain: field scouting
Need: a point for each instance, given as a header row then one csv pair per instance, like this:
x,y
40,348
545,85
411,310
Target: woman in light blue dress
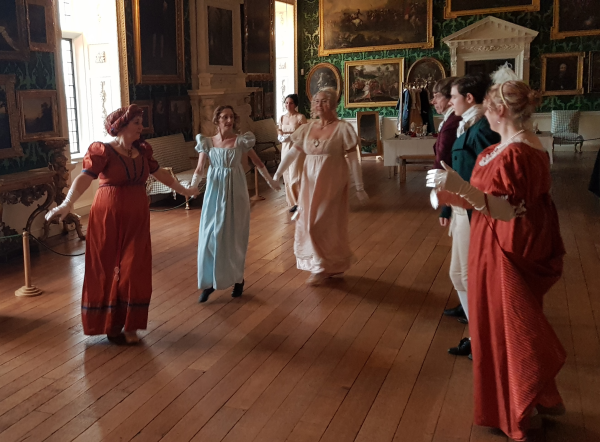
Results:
x,y
225,219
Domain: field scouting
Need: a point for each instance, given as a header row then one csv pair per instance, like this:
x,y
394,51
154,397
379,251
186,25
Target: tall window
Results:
x,y
285,78
69,72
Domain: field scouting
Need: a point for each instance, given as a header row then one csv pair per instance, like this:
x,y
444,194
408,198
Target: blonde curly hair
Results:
x,y
331,95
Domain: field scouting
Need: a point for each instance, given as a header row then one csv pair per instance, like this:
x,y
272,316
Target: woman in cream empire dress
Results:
x,y
288,124
321,243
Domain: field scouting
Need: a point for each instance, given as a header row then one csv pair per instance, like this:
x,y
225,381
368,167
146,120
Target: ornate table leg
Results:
x,y
51,191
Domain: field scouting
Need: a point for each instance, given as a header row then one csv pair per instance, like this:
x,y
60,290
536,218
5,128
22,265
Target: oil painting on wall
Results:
x,y
562,74
39,114
374,25
13,38
9,123
321,76
575,18
456,8
373,83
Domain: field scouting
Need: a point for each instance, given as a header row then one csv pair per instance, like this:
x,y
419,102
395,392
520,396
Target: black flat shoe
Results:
x,y
205,294
463,349
294,208
463,320
117,340
238,289
457,312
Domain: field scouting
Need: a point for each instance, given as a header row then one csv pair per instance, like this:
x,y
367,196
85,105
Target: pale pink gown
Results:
x,y
293,175
322,243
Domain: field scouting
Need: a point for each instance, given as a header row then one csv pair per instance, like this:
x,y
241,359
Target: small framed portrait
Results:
x,y
160,115
426,70
158,41
40,17
269,105
373,83
257,103
39,114
13,38
368,133
321,76
180,113
10,145
457,8
575,18
594,73
562,74
147,121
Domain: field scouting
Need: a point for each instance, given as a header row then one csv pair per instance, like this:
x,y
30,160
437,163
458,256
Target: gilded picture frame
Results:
x,y
373,83
557,73
321,76
472,7
14,21
122,44
158,51
10,137
40,25
259,40
38,114
572,20
147,118
369,134
594,73
428,69
385,26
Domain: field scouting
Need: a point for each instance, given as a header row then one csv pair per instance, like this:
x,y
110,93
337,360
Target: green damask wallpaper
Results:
x,y
308,50
36,73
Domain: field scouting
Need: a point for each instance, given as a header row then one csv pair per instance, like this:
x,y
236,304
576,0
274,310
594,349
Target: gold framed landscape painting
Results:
x,y
457,8
374,25
373,83
39,114
562,73
575,18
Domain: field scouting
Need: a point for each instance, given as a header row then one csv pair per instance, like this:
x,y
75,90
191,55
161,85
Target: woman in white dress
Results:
x,y
321,244
287,126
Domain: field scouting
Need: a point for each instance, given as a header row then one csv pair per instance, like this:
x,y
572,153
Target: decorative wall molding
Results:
x,y
488,39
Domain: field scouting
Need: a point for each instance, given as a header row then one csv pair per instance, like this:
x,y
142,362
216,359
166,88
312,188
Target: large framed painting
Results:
x,y
220,36
259,43
10,145
373,83
158,41
13,38
321,76
457,8
40,16
180,113
39,114
375,25
427,70
368,133
575,18
147,120
562,74
594,73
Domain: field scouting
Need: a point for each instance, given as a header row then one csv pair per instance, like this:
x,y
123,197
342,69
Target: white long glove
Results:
x,y
287,160
196,179
65,207
283,137
273,184
450,181
356,172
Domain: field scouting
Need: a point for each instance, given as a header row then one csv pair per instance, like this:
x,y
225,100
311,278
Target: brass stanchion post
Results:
x,y
27,289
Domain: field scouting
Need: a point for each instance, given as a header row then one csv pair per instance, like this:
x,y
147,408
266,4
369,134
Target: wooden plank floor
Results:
x,y
360,359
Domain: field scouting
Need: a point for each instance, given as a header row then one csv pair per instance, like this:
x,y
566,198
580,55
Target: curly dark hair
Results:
x,y
117,120
476,85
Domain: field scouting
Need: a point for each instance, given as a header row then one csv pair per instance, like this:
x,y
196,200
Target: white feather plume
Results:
x,y
503,74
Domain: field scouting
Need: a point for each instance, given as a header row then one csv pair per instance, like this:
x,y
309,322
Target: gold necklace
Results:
x,y
323,126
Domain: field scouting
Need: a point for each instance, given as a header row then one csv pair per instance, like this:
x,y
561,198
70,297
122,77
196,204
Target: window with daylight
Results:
x,y
70,93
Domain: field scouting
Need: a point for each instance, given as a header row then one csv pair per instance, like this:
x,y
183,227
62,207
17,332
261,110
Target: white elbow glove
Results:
x,y
65,207
196,180
267,176
287,160
282,138
450,181
356,172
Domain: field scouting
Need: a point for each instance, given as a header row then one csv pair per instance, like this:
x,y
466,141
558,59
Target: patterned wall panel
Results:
x,y
36,73
308,52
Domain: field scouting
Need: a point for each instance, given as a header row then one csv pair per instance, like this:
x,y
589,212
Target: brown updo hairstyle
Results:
x,y
517,97
117,120
331,95
219,110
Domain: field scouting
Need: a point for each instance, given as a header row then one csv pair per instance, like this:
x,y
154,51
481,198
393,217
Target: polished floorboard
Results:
x,y
362,358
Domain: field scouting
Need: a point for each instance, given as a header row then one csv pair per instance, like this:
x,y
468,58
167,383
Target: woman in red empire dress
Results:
x,y
118,261
515,256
